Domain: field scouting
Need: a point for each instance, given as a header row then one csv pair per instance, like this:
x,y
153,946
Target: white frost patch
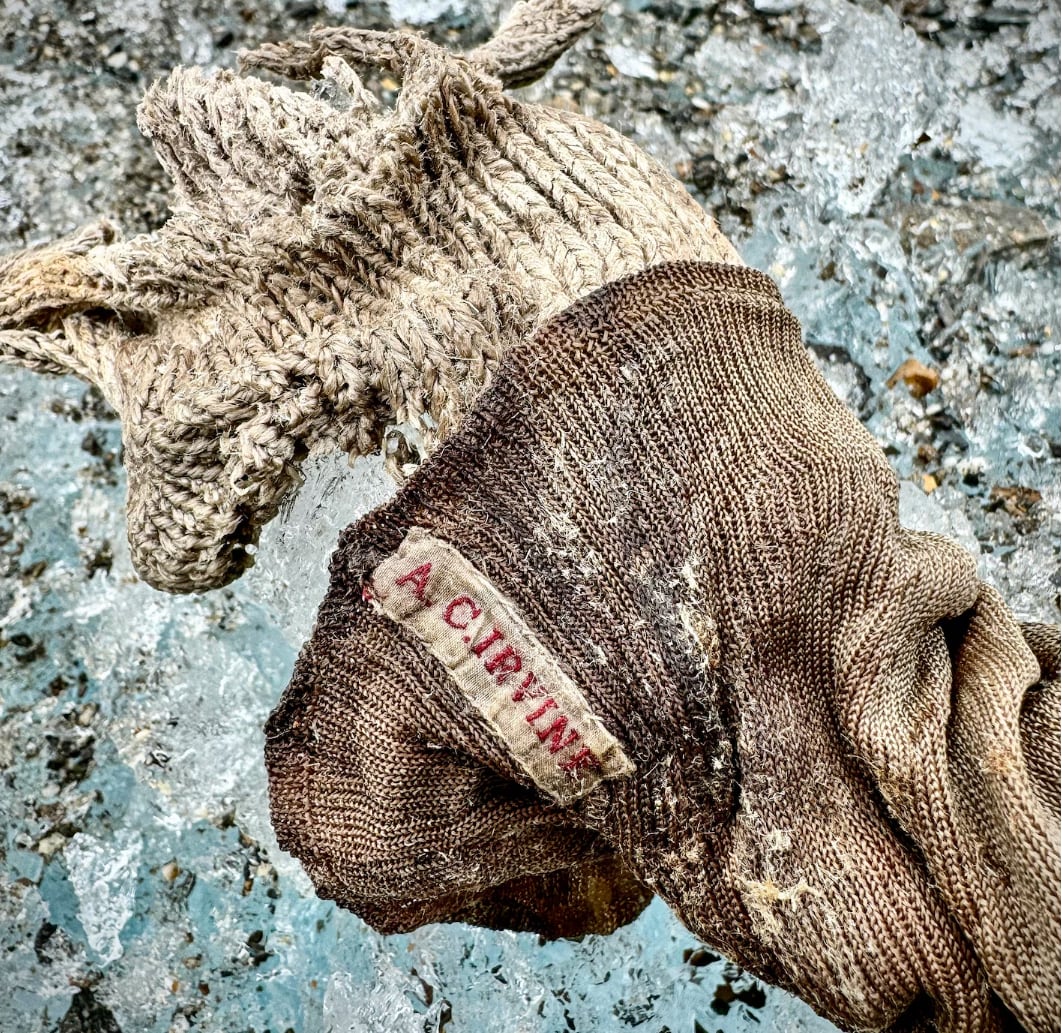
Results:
x,y
997,139
421,12
103,875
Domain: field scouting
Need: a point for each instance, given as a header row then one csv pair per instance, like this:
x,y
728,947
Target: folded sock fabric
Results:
x,y
648,619
335,275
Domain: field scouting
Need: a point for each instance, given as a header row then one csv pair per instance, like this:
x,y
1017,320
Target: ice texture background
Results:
x,y
894,166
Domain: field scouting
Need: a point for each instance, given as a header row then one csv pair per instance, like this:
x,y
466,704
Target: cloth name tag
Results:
x,y
505,673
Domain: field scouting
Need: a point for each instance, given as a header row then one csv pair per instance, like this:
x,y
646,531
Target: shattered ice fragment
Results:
x,y
630,62
387,1008
938,513
103,875
291,572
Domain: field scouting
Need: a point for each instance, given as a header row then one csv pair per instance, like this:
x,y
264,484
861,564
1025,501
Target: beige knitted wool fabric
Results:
x,y
334,274
651,607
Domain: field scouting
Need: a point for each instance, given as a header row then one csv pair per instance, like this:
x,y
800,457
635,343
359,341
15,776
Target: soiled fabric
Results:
x,y
335,275
650,610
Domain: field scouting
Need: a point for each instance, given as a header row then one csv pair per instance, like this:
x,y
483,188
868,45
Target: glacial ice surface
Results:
x,y
900,181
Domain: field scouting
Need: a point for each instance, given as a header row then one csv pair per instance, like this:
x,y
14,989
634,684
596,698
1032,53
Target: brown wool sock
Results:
x,y
651,610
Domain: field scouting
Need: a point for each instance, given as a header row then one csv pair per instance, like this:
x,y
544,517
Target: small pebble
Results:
x,y
50,844
919,378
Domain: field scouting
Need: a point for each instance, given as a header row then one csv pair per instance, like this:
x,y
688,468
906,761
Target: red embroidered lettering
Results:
x,y
555,734
481,647
522,691
549,704
462,600
419,578
583,759
505,662
498,663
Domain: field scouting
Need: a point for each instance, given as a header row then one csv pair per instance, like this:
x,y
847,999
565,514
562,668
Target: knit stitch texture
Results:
x,y
335,275
843,750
